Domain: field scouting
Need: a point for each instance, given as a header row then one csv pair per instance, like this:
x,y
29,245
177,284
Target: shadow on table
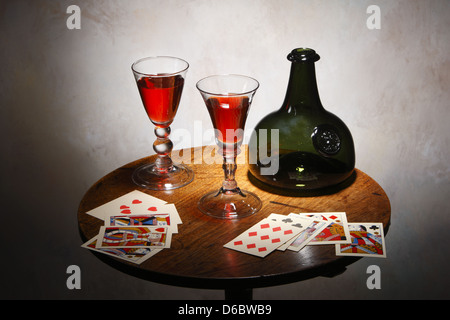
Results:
x,y
303,193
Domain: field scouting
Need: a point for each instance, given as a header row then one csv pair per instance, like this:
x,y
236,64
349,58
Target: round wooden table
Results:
x,y
197,258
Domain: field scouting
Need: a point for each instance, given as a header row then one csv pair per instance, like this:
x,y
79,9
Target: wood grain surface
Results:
x,y
197,257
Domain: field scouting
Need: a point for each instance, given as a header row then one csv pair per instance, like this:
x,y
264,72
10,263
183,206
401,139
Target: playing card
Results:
x,y
143,220
311,231
335,232
140,220
170,209
134,255
300,224
134,202
136,226
367,240
262,238
133,237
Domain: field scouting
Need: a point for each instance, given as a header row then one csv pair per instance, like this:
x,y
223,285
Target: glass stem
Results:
x,y
229,170
163,147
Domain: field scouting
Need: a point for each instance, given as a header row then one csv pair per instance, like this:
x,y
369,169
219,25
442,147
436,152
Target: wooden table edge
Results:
x,y
225,282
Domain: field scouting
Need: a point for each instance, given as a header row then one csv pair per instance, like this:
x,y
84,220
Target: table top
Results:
x,y
197,257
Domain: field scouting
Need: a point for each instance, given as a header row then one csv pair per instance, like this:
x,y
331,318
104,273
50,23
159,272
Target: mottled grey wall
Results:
x,y
70,113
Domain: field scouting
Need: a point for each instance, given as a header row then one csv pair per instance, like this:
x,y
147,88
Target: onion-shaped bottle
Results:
x,y
301,146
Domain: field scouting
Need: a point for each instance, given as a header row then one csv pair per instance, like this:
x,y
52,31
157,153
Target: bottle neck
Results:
x,y
302,92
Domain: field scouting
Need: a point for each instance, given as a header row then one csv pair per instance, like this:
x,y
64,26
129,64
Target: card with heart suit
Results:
x,y
301,225
335,232
263,238
136,227
134,255
133,237
367,240
134,202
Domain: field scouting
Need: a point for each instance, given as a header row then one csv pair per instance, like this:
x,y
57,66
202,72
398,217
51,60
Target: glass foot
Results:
x,y
230,205
147,176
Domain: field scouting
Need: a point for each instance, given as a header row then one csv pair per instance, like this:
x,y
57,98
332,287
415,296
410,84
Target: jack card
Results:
x,y
143,220
133,237
367,240
134,255
335,232
262,238
140,220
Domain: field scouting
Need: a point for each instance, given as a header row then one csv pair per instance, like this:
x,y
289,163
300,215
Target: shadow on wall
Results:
x,y
46,167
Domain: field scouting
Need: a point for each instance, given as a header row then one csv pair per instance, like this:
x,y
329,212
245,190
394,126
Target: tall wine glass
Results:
x,y
160,81
228,99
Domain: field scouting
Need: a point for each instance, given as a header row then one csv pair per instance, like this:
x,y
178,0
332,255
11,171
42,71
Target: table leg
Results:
x,y
238,294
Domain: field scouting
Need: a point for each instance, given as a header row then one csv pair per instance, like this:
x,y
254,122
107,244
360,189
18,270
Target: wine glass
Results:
x,y
228,99
160,81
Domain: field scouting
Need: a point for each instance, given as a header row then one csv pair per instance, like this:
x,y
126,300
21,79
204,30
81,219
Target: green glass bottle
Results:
x,y
301,146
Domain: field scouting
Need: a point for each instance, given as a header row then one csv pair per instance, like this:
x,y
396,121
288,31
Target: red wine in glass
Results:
x,y
161,97
228,115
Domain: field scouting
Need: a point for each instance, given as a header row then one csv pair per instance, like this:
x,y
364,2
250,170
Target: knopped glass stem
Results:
x,y
230,202
162,173
229,184
229,169
163,147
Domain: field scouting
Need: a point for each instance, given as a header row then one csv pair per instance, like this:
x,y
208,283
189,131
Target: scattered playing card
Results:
x,y
170,209
134,202
136,227
143,220
316,226
301,224
133,237
134,255
140,220
335,232
262,238
367,240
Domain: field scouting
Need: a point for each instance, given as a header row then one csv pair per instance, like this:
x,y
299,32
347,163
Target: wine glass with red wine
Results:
x,y
160,81
228,99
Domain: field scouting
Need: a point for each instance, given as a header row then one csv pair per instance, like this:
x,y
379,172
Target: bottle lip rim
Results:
x,y
303,55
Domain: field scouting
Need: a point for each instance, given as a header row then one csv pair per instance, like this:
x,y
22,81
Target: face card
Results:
x,y
300,224
134,202
262,238
143,220
134,255
133,237
335,232
316,226
140,220
367,240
